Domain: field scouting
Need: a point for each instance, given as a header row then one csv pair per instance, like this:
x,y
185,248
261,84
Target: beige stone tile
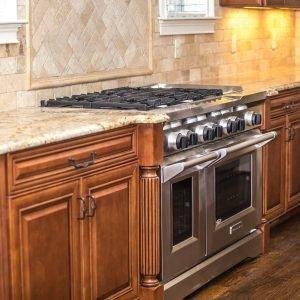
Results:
x,y
26,99
8,65
8,101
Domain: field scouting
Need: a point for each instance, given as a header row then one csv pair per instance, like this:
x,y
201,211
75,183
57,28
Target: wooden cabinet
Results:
x,y
282,156
44,242
242,3
72,230
261,3
112,233
275,169
293,164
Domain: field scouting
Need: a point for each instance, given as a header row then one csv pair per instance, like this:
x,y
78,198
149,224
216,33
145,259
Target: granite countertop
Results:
x,y
272,81
31,127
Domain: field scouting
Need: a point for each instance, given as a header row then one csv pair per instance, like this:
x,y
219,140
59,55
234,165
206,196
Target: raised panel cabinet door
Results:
x,y
274,169
275,3
293,155
113,233
292,3
44,244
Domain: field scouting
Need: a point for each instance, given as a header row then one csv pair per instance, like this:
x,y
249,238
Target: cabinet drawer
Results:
x,y
53,162
280,106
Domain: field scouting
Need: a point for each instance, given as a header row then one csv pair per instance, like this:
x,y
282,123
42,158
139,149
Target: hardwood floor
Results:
x,y
274,276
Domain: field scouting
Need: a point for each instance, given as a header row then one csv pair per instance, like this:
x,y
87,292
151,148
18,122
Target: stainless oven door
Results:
x,y
232,190
183,220
183,224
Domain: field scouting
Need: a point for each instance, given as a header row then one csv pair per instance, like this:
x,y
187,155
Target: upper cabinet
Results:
x,y
293,4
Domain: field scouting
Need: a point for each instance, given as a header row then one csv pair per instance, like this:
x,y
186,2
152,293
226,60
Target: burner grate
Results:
x,y
133,98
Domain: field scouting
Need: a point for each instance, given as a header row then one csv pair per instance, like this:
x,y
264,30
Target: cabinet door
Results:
x,y
113,233
242,3
292,3
44,244
275,3
274,170
293,155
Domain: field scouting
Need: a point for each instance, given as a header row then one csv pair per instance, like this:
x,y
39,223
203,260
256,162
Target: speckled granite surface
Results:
x,y
272,81
31,127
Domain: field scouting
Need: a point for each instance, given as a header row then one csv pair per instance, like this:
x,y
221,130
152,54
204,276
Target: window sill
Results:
x,y
176,26
9,30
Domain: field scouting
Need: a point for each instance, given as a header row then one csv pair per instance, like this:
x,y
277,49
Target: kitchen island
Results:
x,y
80,193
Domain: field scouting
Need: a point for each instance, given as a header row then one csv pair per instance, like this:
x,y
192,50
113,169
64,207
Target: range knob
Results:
x,y
228,126
256,119
205,133
218,129
252,118
239,123
191,136
176,141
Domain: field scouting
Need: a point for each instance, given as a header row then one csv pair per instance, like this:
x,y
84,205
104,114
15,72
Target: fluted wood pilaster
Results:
x,y
150,226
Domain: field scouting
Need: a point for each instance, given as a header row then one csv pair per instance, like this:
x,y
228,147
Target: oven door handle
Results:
x,y
257,141
202,161
207,160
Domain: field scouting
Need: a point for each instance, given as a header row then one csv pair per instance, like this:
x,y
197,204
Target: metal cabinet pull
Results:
x,y
287,106
82,209
92,206
90,161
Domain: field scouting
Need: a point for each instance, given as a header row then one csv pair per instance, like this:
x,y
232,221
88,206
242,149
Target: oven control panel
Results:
x,y
205,128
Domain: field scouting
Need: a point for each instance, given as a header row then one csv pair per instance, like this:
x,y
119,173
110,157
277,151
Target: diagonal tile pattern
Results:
x,y
78,37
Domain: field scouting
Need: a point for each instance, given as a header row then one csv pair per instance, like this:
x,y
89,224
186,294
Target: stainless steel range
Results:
x,y
211,187
211,177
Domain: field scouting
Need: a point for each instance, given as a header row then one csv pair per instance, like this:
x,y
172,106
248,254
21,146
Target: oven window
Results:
x,y
233,188
182,196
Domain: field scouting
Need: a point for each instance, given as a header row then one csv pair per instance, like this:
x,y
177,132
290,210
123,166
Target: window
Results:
x,y
186,16
8,10
189,8
9,23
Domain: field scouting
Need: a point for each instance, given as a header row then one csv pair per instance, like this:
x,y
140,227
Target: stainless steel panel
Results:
x,y
196,277
220,235
181,257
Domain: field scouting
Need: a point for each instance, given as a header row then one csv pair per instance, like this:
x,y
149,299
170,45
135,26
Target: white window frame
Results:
x,y
9,23
186,23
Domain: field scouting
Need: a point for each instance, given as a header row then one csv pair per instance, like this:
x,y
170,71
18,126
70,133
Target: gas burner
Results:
x,y
141,98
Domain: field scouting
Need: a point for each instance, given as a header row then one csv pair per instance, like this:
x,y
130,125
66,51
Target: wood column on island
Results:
x,y
150,141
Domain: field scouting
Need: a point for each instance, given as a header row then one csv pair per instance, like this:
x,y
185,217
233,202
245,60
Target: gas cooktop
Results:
x,y
140,98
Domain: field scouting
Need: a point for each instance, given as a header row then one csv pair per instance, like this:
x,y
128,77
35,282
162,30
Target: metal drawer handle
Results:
x,y
287,106
204,161
82,209
90,161
92,206
169,172
257,141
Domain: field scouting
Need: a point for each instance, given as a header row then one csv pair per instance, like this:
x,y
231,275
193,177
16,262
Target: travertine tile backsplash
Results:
x,y
201,56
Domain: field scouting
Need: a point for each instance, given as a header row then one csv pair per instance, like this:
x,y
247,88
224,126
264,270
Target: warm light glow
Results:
x,y
247,24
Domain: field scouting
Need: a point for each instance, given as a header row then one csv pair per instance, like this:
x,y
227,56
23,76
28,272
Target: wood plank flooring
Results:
x,y
274,276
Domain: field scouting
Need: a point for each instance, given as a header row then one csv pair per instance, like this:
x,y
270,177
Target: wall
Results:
x,y
297,38
202,56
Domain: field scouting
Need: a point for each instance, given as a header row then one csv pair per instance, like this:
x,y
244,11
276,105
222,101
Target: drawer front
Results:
x,y
49,163
280,106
